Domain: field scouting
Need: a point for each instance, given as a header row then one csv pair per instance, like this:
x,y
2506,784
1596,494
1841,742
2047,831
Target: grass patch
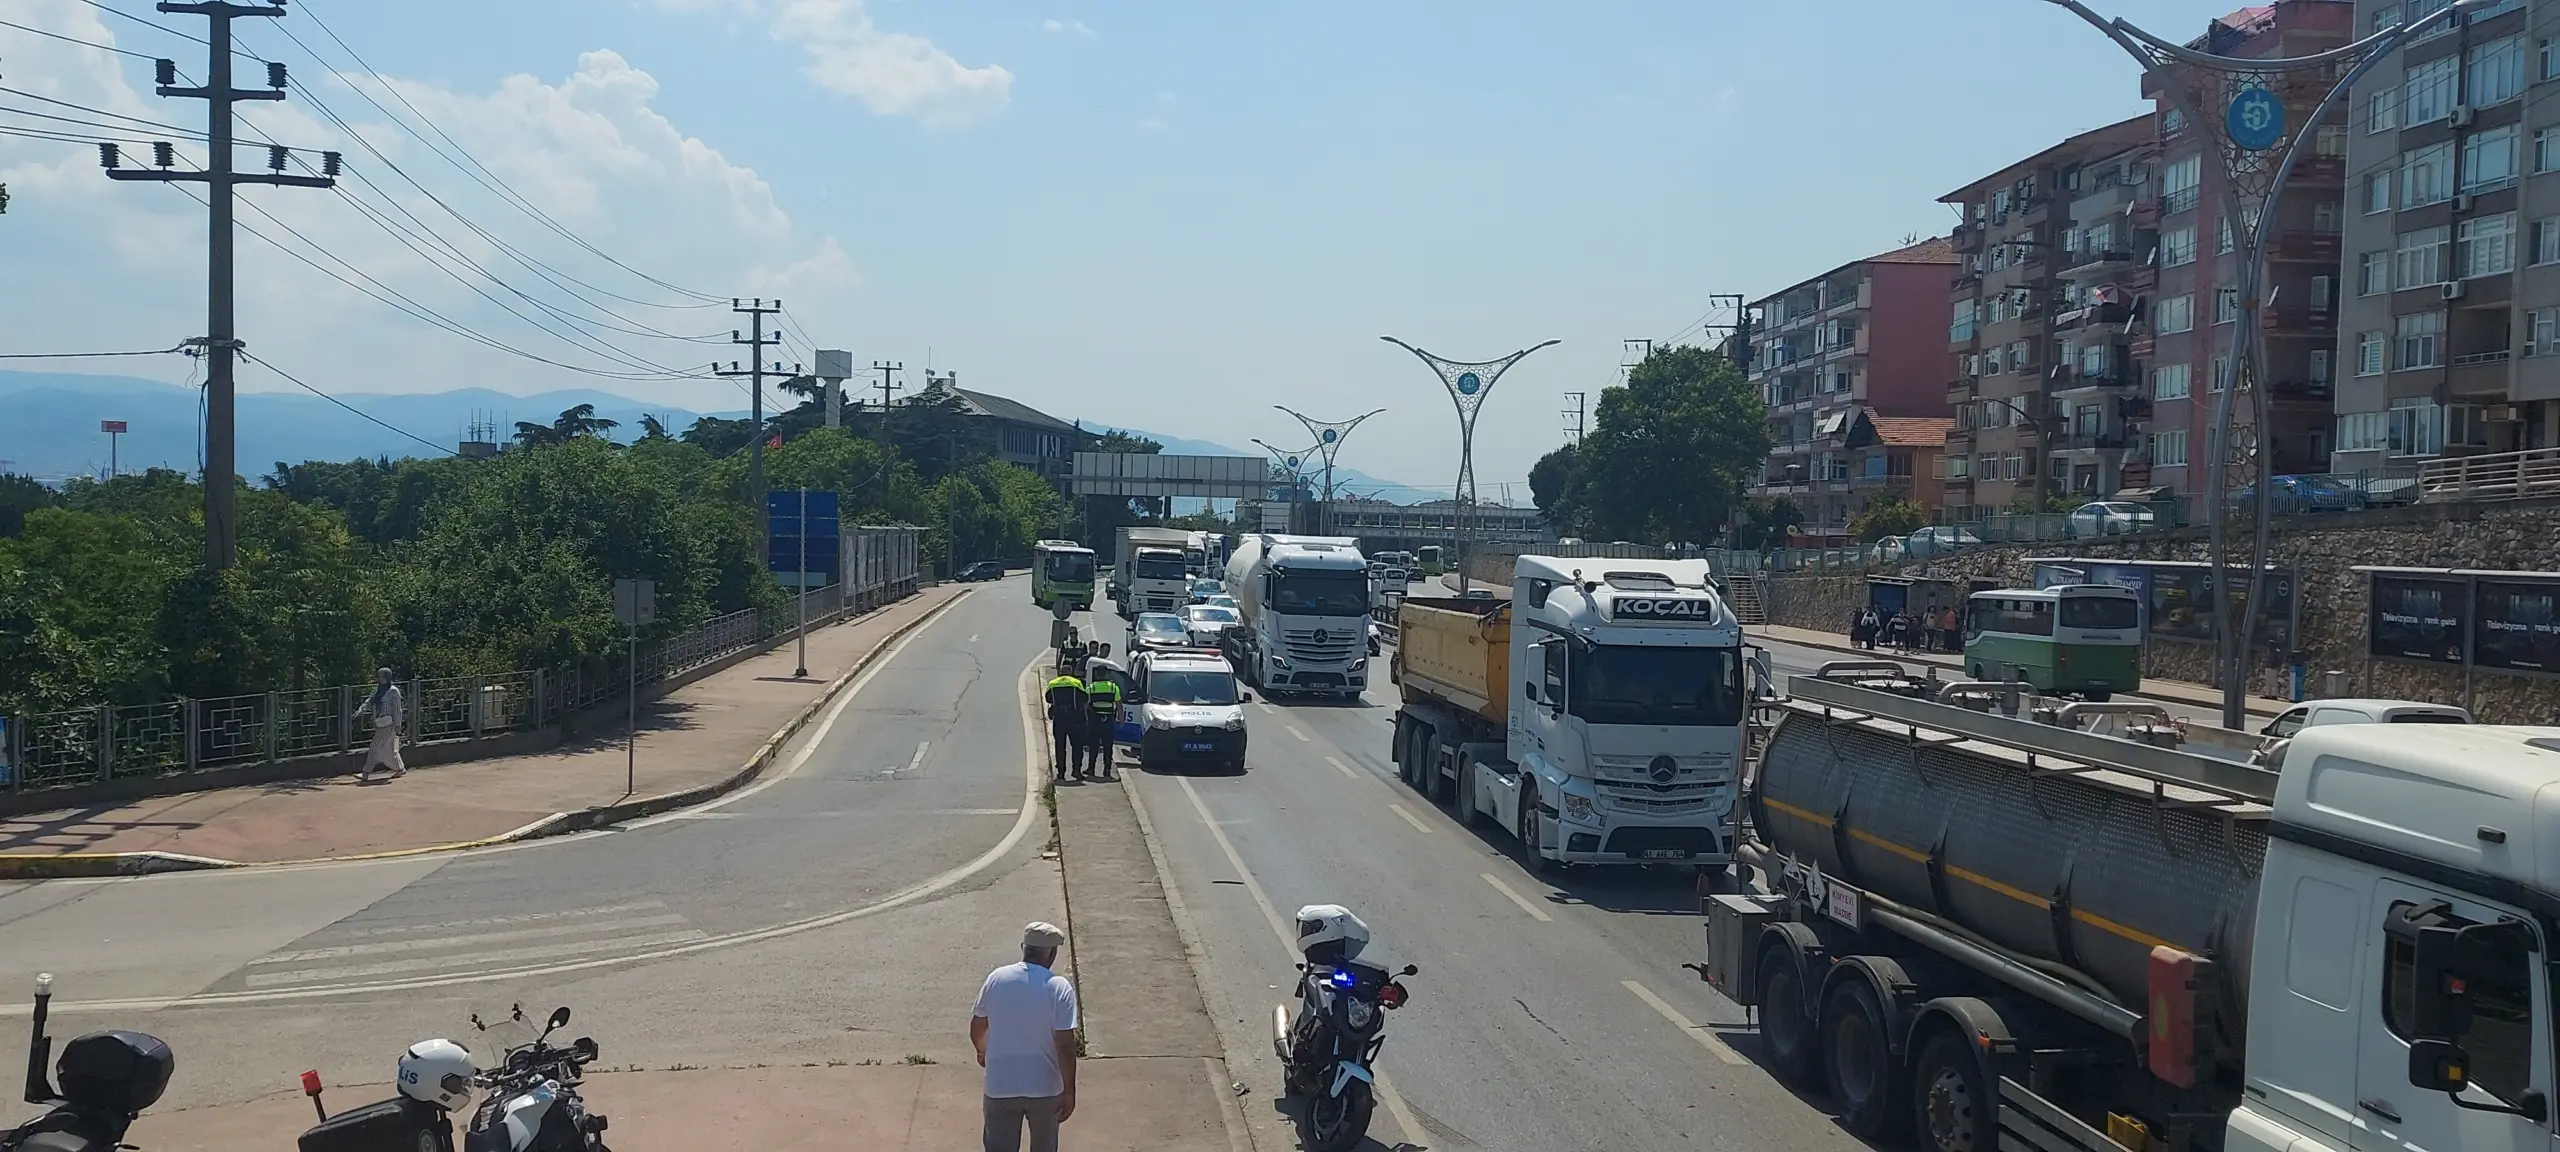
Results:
x,y
916,1058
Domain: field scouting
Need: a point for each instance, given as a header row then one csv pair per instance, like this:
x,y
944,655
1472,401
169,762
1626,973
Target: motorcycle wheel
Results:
x,y
1337,1123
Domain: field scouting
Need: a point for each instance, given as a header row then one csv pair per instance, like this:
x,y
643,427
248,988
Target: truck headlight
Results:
x,y
1578,809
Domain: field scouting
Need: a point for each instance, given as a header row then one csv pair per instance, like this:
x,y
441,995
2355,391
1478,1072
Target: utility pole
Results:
x,y
221,342
756,340
1574,414
885,368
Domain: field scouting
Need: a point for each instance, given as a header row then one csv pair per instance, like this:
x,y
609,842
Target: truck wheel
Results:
x,y
1786,1029
1952,1106
1527,831
1859,1063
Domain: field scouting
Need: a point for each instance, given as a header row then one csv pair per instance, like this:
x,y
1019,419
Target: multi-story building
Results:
x,y
2451,336
2036,331
1859,340
2190,315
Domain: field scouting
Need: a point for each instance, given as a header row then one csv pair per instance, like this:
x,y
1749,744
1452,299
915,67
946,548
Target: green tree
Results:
x,y
651,428
1889,514
719,436
1667,455
1554,485
20,495
1765,522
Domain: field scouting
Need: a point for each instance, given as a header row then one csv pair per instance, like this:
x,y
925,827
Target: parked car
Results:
x,y
2280,731
2293,494
2109,518
1939,540
983,570
1891,548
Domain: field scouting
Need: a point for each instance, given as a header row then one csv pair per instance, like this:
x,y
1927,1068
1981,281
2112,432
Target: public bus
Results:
x,y
1428,557
1062,570
2079,639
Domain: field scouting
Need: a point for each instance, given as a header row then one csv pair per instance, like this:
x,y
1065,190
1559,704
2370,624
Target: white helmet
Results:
x,y
1331,924
438,1072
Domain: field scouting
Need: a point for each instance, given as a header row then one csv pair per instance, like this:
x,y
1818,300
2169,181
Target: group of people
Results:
x,y
1084,707
1928,630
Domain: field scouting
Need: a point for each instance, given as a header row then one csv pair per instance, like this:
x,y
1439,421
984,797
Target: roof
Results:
x,y
1912,431
2109,139
1934,250
990,404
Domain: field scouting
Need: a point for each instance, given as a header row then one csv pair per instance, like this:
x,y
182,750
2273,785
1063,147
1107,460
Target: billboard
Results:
x,y
2515,624
2417,618
1155,474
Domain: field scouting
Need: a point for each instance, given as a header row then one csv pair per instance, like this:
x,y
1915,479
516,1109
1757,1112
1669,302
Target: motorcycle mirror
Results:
x,y
559,1019
1410,970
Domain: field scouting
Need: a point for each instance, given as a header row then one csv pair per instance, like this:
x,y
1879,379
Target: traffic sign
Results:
x,y
2255,119
635,603
111,426
803,548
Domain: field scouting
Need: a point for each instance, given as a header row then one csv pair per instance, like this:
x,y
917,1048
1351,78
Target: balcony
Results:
x,y
2479,372
2078,440
2076,380
2320,170
1960,391
2091,315
2172,203
2299,320
2306,246
1968,238
2308,389
2090,263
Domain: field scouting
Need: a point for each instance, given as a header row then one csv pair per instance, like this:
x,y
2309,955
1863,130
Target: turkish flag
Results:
x,y
776,442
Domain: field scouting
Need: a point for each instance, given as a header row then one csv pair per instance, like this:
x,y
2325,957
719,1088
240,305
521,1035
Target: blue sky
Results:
x,y
1169,215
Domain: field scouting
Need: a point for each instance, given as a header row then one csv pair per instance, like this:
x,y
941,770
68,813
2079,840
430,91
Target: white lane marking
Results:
x,y
973,637
1336,761
1535,912
1410,818
1413,1133
1293,730
500,921
915,761
478,959
430,944
1265,705
1705,1038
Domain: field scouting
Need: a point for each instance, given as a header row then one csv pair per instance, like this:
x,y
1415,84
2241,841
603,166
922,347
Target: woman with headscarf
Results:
x,y
384,709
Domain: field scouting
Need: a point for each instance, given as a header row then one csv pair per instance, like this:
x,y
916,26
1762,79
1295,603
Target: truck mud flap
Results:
x,y
2031,1123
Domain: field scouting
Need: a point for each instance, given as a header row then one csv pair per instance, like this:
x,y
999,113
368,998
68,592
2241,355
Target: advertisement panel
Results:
x,y
2181,603
2416,618
2515,625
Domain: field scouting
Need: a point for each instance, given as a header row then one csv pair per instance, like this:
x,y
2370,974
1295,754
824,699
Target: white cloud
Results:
x,y
94,265
891,73
1077,27
1151,124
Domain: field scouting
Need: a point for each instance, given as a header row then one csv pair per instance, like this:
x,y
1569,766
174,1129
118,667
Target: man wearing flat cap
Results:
x,y
1024,1029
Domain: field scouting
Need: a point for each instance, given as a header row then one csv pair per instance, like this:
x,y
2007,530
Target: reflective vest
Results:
x,y
1066,697
1105,698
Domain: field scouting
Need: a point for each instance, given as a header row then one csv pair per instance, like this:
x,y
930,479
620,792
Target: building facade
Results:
x,y
1859,340
2450,343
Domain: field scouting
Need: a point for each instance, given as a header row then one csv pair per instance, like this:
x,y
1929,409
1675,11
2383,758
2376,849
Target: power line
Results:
x,y
77,40
88,355
297,382
159,124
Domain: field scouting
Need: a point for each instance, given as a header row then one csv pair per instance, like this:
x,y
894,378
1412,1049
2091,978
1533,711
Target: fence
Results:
x,y
105,742
2494,476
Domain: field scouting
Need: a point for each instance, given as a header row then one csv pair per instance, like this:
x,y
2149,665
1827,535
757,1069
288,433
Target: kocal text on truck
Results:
x,y
1305,607
1150,567
1993,933
1598,713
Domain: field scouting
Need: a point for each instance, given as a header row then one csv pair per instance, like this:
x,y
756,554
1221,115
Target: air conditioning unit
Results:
x,y
2462,115
2453,289
2501,414
2462,203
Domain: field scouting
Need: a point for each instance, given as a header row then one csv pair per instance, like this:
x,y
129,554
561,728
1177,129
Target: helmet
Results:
x,y
438,1072
1330,932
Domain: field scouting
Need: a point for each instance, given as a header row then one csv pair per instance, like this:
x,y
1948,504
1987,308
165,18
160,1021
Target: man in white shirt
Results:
x,y
1024,1029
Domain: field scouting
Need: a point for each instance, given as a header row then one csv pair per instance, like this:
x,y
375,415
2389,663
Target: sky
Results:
x,y
1169,214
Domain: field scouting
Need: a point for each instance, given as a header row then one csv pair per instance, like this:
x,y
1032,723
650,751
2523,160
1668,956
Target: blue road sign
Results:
x,y
2255,119
802,539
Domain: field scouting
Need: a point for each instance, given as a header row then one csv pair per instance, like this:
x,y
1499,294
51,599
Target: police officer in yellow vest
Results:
x,y
1102,699
1067,722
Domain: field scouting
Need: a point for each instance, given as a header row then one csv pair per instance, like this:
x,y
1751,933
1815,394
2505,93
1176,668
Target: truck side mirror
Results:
x,y
2439,1066
2440,997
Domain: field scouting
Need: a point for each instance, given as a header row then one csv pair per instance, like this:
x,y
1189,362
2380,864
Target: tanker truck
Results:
x,y
1991,933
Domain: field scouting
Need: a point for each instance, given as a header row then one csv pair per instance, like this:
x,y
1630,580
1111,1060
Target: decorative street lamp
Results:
x,y
1293,465
2256,146
1469,383
1329,436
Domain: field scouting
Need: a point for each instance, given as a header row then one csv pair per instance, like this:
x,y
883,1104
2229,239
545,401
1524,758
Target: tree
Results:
x,y
1891,514
20,495
1667,455
2031,502
575,423
651,429
1116,441
1554,485
1765,523
720,437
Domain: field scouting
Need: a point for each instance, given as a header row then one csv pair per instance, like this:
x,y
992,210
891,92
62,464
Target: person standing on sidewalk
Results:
x,y
1024,1029
383,708
1066,723
1102,697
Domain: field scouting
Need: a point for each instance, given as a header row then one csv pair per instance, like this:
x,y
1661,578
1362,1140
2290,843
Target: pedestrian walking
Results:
x,y
1067,723
1024,1029
383,709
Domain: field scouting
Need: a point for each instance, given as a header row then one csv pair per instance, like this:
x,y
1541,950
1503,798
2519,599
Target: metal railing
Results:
x,y
104,742
2493,476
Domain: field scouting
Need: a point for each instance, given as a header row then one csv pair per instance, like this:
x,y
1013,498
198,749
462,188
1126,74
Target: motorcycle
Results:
x,y
1329,1046
107,1079
533,1103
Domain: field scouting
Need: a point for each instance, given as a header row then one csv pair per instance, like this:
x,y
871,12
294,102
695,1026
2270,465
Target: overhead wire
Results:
x,y
297,381
89,355
77,40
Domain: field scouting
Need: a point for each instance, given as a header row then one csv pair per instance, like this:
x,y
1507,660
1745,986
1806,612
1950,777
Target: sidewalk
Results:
x,y
708,735
2166,691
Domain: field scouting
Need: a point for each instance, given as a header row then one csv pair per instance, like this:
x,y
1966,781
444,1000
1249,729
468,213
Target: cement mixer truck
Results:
x,y
1988,932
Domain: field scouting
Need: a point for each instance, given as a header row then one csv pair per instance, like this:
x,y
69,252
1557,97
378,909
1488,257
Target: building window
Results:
x,y
2368,353
2248,220
2178,185
2226,305
2493,72
2178,247
2547,59
2218,374
2320,365
2373,273
2382,110
2009,466
2018,356
2420,259
2324,293
2428,91
2546,150
2542,332
2377,192
2546,240
2093,360
2174,314
2330,140
2489,159
2485,246
2169,449
2387,16
2421,340
2324,218
2169,382
2426,175
1960,325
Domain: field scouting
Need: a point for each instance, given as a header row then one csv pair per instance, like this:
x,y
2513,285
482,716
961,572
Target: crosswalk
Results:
x,y
358,951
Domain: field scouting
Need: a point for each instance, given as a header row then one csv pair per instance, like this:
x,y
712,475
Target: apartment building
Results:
x,y
1834,353
2049,269
2451,335
2194,306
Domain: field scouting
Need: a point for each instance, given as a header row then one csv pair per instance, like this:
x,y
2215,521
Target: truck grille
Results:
x,y
1325,645
1694,771
1633,841
1670,801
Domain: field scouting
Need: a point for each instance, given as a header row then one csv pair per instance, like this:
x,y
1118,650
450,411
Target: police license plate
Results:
x,y
1196,746
1665,853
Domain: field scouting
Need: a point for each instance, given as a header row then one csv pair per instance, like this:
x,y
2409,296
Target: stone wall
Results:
x,y
2519,536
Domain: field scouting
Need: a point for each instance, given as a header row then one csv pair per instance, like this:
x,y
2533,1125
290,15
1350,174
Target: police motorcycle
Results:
x,y
1328,1047
533,1103
106,1079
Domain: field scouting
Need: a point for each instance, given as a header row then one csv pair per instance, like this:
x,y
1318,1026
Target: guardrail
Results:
x,y
103,742
2494,476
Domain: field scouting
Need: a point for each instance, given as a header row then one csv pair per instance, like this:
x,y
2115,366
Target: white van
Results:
x,y
1189,710
2320,713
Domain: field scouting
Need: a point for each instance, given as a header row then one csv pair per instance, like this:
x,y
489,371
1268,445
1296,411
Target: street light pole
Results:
x,y
1469,382
1291,461
1329,436
2254,125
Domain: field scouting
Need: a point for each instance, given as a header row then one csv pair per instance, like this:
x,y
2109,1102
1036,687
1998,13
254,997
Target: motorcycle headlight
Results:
x,y
1578,809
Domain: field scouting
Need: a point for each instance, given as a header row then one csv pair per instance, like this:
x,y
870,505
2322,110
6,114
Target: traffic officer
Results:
x,y
1067,723
1102,698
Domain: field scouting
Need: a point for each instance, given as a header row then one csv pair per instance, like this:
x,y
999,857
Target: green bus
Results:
x,y
1428,558
1062,570
2079,639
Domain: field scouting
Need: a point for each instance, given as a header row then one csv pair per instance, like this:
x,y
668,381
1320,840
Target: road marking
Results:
x,y
474,960
917,760
1293,730
1387,1095
498,921
1336,761
973,637
1705,1038
387,947
1409,818
1535,912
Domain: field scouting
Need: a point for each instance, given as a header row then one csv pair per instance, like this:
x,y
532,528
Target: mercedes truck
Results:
x,y
1305,607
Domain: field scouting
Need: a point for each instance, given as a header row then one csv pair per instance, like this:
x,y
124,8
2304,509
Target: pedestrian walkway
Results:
x,y
2170,691
696,736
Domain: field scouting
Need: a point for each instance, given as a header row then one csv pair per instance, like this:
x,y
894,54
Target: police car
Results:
x,y
1185,708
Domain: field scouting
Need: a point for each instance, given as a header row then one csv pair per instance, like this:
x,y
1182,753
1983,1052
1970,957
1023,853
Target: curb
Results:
x,y
92,865
1881,654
